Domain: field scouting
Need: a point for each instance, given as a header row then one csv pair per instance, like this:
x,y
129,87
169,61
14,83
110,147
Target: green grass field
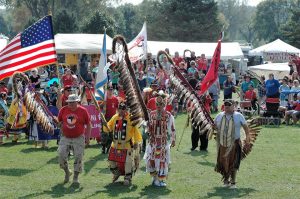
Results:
x,y
272,170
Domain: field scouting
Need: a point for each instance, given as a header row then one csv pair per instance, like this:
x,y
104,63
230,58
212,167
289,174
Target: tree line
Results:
x,y
167,20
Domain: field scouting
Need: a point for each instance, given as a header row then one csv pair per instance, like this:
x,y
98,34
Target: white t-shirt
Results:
x,y
238,119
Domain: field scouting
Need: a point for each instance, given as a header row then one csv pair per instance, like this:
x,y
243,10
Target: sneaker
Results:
x,y
226,184
127,182
233,186
159,183
162,184
156,183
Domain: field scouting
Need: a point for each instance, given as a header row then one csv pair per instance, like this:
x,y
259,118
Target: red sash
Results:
x,y
117,155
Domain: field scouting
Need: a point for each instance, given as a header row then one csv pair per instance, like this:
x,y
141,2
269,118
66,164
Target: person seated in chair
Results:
x,y
250,95
295,113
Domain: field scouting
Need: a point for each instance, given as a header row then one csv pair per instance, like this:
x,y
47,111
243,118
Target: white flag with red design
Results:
x,y
138,46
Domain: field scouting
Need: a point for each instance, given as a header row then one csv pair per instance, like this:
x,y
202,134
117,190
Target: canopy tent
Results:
x,y
81,43
228,50
92,44
3,42
278,69
277,46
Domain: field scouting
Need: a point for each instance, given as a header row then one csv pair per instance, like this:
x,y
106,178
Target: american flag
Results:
x,y
32,48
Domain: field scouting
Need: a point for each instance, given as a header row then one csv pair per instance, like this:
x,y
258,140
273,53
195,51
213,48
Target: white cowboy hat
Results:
x,y
73,98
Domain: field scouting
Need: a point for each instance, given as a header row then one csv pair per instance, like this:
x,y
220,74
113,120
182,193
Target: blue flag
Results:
x,y
101,79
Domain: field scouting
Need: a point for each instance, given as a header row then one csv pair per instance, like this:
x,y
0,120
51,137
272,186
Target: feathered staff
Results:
x,y
33,103
134,99
199,115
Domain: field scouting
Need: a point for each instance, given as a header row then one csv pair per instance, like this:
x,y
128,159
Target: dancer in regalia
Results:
x,y
161,137
126,139
228,125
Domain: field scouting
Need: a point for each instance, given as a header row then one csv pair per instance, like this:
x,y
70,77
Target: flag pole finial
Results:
x,y
50,11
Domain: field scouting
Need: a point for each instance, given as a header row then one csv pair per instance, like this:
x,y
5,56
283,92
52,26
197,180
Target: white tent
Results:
x,y
92,44
81,43
278,69
3,42
276,46
228,50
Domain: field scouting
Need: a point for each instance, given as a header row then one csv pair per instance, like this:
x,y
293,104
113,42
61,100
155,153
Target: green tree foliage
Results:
x,y
96,23
3,27
64,22
271,15
238,18
291,32
188,20
127,15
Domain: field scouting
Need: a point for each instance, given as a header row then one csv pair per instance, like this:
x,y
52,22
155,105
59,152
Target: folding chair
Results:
x,y
246,108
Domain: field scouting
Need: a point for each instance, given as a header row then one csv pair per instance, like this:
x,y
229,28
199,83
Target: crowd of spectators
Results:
x,y
55,85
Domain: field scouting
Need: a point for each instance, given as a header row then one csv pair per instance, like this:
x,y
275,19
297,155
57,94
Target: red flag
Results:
x,y
212,74
32,48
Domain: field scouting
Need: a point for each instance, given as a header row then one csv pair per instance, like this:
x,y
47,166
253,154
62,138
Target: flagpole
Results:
x,y
147,62
58,101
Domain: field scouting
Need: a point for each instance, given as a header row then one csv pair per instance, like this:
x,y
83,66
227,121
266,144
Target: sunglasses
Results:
x,y
227,104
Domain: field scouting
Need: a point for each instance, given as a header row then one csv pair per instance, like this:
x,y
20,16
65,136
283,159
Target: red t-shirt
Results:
x,y
73,121
152,104
202,64
177,60
169,108
88,92
250,95
68,80
111,107
297,108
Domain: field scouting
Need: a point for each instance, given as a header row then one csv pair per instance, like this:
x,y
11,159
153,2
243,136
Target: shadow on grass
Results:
x,y
205,162
53,160
14,172
57,191
194,153
151,191
11,144
116,189
104,170
32,150
89,164
224,192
